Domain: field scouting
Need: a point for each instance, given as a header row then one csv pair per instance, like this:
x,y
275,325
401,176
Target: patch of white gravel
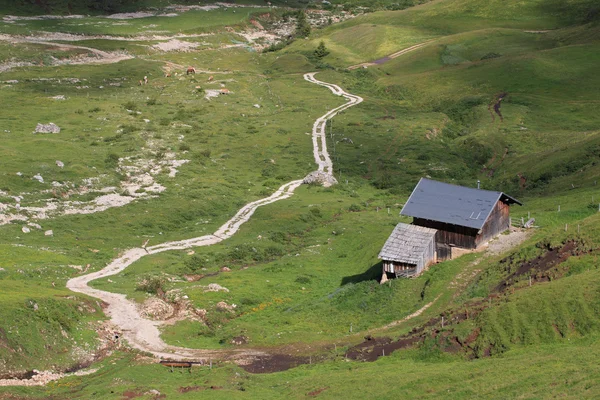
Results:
x,y
175,45
42,378
139,14
140,184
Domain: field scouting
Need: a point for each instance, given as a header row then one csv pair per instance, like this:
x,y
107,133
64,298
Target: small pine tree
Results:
x,y
321,51
302,25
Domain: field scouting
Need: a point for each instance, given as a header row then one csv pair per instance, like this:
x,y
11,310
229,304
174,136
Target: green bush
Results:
x,y
152,284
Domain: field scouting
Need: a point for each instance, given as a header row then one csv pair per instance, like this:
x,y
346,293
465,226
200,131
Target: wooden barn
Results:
x,y
457,218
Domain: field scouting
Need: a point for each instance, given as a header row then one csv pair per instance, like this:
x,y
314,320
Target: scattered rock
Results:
x,y
59,97
226,307
157,309
60,164
47,128
257,106
191,253
193,278
239,340
175,45
215,287
39,178
34,225
49,233
321,177
225,269
25,229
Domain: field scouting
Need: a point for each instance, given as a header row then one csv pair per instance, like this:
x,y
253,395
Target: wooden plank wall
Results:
x,y
452,235
498,222
428,257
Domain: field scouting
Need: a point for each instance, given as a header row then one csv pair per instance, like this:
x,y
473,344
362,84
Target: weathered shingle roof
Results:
x,y
452,204
407,243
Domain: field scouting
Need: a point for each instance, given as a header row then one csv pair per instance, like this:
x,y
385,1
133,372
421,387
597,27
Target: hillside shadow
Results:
x,y
373,273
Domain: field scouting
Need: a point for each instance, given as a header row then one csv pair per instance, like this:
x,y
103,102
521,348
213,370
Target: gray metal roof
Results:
x,y
407,243
452,204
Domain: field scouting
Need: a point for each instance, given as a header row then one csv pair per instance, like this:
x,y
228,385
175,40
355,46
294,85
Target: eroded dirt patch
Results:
x,y
538,268
274,363
440,328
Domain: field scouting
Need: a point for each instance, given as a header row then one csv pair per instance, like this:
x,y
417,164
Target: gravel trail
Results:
x,y
143,334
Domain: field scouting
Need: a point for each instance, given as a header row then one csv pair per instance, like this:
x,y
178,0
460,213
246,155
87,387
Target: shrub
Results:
x,y
130,105
111,160
354,208
491,55
303,279
184,147
195,263
321,51
151,284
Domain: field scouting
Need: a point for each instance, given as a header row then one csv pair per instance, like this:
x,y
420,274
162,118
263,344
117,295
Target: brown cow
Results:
x,y
191,70
210,78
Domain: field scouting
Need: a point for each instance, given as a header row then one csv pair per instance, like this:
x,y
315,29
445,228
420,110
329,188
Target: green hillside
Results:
x,y
501,92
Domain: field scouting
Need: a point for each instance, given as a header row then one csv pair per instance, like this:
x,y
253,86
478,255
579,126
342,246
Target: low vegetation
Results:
x,y
502,92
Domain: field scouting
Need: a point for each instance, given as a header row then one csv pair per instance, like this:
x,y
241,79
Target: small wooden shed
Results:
x,y
409,250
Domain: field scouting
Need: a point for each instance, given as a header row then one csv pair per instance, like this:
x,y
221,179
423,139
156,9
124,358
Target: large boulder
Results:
x,y
320,177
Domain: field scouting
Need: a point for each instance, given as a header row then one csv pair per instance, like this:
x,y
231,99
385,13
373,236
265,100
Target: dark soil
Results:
x,y
538,268
316,392
495,104
18,375
186,389
373,348
440,328
130,394
274,363
381,60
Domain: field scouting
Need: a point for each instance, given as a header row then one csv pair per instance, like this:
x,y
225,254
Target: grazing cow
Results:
x,y
145,80
210,78
191,70
224,91
167,74
141,82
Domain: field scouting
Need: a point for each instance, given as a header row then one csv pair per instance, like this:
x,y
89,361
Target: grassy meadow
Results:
x,y
303,272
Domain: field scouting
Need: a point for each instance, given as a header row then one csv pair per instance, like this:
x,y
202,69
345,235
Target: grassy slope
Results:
x,y
456,76
567,370
429,93
223,174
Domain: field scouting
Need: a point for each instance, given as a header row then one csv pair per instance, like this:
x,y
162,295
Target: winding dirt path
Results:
x,y
390,57
101,57
144,334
